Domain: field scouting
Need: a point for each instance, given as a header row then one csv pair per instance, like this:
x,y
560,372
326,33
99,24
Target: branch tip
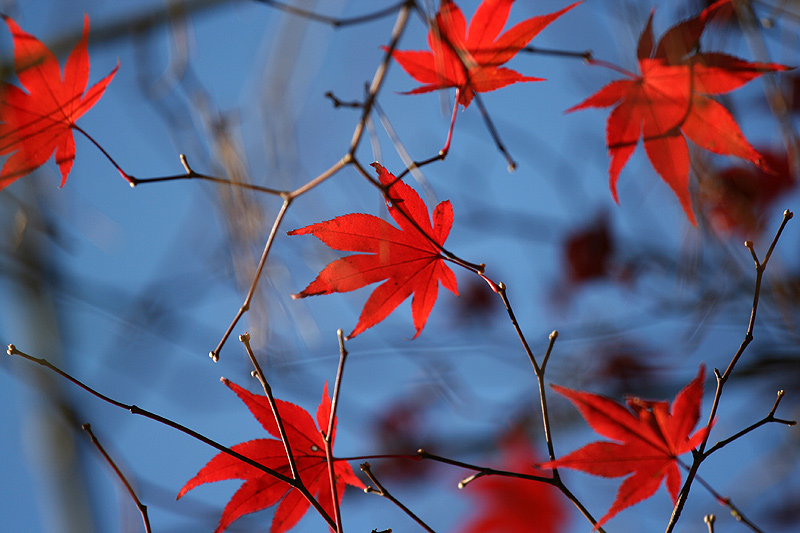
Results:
x,y
214,355
12,350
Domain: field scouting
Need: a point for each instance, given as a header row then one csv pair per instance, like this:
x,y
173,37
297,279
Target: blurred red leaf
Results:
x,y
587,252
511,504
406,258
469,57
666,101
260,490
735,198
35,123
649,435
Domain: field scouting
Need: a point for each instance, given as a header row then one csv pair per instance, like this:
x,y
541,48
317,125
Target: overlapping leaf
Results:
x,y
668,101
260,490
648,438
407,258
469,58
35,123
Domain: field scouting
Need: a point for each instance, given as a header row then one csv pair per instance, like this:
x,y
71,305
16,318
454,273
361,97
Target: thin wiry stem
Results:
x,y
335,21
133,409
259,374
327,436
380,490
214,354
139,505
699,455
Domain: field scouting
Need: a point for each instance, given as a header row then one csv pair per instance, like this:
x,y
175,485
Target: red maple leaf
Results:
x,y
469,58
410,261
650,436
666,101
260,490
510,504
35,123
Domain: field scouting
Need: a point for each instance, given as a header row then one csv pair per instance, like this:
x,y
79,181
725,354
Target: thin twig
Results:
x,y
699,455
139,505
133,409
191,174
380,490
327,436
259,374
214,354
709,519
334,21
766,420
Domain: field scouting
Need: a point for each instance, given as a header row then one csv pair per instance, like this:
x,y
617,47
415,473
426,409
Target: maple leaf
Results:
x,y
410,261
469,58
667,101
260,490
35,123
650,436
510,504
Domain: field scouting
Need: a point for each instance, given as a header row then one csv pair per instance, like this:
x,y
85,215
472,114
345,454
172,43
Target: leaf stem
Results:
x,y
130,179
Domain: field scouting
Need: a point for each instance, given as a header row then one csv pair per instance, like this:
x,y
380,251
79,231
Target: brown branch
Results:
x,y
133,409
334,21
699,455
191,174
259,374
139,505
380,490
214,354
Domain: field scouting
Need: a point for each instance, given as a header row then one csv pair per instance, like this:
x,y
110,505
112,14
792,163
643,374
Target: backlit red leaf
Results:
x,y
408,260
648,437
260,490
36,123
666,102
468,58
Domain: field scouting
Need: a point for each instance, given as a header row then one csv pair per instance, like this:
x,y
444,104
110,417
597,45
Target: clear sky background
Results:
x,y
129,289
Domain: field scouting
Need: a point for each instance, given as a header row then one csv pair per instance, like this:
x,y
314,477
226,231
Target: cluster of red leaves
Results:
x,y
260,490
35,123
407,258
649,435
515,505
667,101
468,58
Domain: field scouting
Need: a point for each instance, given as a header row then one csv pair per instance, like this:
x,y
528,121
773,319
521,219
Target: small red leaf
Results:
x,y
469,57
260,490
36,123
409,261
649,437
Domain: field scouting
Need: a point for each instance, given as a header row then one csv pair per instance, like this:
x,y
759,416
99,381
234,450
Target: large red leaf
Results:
x,y
407,259
35,123
515,505
469,57
666,101
260,490
649,436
